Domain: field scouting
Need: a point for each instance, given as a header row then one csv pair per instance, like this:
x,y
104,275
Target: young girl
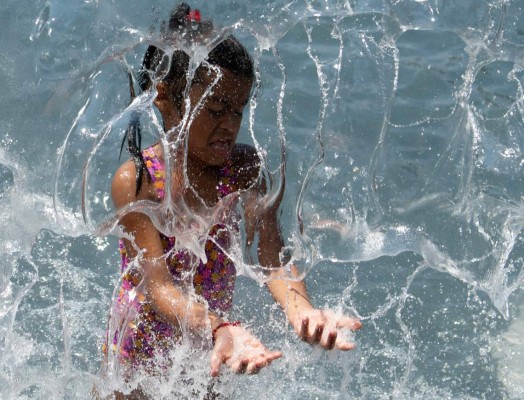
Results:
x,y
172,291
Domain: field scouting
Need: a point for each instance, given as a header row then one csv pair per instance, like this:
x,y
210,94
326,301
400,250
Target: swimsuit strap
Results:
x,y
156,171
227,183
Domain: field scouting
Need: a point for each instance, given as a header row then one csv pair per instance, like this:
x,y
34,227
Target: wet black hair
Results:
x,y
229,54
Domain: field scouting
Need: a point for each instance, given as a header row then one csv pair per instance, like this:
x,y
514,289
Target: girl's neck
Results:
x,y
199,179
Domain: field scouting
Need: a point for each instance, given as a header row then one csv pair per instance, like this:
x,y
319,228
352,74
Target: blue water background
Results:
x,y
415,211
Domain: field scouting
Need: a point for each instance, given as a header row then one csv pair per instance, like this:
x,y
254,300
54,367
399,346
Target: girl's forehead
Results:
x,y
229,86
226,77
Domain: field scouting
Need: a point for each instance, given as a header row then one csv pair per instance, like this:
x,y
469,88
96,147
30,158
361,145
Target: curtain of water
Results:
x,y
395,128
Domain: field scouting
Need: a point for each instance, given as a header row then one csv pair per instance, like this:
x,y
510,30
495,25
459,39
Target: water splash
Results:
x,y
395,128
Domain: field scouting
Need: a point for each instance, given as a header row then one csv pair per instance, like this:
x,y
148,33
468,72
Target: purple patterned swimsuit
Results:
x,y
146,334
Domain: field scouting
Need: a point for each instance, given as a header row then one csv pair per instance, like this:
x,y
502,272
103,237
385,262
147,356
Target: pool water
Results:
x,y
401,122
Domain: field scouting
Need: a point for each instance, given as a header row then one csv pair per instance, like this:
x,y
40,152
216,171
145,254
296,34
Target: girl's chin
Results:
x,y
221,151
211,160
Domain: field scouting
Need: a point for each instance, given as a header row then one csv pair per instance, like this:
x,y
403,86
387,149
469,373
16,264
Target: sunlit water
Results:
x,y
402,128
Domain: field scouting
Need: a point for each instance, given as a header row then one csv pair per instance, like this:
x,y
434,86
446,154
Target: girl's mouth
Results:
x,y
221,147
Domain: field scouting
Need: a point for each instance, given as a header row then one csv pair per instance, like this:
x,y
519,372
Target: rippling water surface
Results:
x,y
402,126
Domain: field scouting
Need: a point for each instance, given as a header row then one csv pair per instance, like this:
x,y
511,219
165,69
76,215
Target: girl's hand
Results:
x,y
320,327
240,351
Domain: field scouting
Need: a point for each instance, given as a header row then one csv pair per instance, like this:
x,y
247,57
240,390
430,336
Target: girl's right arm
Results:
x,y
168,300
234,345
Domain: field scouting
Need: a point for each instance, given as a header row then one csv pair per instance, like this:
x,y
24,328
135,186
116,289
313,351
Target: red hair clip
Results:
x,y
194,15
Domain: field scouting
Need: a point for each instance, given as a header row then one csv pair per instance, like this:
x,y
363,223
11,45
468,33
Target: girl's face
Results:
x,y
214,129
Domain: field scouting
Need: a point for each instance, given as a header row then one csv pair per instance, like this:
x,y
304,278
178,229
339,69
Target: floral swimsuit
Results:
x,y
145,333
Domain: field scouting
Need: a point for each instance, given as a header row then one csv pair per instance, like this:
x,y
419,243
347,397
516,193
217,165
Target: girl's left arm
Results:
x,y
314,326
320,327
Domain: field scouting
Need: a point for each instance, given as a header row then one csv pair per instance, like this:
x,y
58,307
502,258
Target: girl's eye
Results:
x,y
215,112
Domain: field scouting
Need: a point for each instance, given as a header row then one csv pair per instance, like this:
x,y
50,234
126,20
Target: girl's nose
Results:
x,y
231,122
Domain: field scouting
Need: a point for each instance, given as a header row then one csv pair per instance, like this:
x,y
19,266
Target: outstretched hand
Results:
x,y
321,327
240,351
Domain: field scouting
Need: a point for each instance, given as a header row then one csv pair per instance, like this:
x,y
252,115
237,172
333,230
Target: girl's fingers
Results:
x,y
253,365
326,325
349,323
217,359
317,335
270,357
304,329
345,346
252,369
331,340
239,366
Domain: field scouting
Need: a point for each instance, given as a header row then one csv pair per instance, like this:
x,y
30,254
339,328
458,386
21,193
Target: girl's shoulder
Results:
x,y
246,162
123,186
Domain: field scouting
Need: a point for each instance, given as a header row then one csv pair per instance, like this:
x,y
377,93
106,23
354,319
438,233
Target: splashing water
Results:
x,y
395,127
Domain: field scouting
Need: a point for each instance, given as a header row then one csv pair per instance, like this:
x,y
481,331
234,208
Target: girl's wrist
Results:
x,y
222,325
298,307
214,321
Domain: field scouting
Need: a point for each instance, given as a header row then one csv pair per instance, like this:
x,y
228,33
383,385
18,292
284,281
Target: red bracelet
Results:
x,y
223,324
